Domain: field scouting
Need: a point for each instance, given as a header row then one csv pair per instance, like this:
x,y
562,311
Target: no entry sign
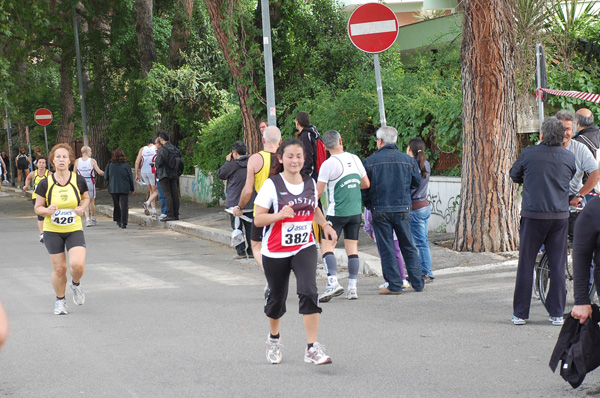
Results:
x,y
373,28
43,117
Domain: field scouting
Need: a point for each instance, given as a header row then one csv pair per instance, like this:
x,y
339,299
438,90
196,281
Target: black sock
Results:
x,y
309,346
275,337
76,284
60,298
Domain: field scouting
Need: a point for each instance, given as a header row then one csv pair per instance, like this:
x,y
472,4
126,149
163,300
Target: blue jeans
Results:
x,y
419,224
161,197
384,225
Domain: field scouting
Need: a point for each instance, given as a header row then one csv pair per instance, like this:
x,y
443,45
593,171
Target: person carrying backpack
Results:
x,y
169,167
313,146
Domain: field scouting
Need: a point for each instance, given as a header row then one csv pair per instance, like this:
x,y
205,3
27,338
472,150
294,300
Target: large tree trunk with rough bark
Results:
x,y
145,35
487,216
66,126
235,61
180,34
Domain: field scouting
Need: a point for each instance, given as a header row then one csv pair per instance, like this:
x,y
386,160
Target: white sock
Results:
x,y
332,280
351,283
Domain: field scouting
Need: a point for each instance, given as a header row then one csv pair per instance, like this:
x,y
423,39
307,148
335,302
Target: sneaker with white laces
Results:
x,y
316,354
330,292
351,295
78,295
517,321
42,237
60,307
162,216
274,350
405,284
89,223
146,209
384,285
557,320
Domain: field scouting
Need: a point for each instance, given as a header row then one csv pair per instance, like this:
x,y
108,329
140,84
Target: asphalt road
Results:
x,y
168,315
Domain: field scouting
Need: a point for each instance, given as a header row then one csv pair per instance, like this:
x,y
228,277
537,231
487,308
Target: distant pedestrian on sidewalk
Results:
x,y
393,174
545,171
342,176
167,176
23,162
36,176
421,209
120,185
146,173
234,171
161,196
286,206
87,167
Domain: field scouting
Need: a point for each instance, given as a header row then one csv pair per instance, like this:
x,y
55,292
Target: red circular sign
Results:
x,y
43,117
373,27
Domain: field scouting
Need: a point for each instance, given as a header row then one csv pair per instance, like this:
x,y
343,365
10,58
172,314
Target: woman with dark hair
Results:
x,y
421,210
36,176
120,184
286,206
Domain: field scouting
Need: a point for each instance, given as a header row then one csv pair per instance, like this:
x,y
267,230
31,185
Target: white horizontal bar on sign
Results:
x,y
369,28
40,117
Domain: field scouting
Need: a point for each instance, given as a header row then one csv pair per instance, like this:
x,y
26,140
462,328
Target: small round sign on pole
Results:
x,y
373,28
43,117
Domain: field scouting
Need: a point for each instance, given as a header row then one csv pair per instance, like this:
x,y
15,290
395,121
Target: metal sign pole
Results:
x,y
268,49
538,74
46,138
379,91
11,164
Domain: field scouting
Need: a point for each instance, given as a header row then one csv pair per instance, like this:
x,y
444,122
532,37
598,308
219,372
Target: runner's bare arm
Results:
x,y
85,202
254,164
320,188
98,169
322,221
365,183
263,217
28,180
137,163
40,207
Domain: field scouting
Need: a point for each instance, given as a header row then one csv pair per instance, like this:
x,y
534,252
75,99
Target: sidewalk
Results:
x,y
212,223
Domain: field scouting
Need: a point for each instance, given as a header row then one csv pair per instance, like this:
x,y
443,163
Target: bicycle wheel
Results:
x,y
542,278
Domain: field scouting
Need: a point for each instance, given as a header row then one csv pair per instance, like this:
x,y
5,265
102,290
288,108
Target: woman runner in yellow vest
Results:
x,y
62,199
37,176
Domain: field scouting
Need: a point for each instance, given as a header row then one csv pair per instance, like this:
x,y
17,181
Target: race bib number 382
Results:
x,y
295,233
64,217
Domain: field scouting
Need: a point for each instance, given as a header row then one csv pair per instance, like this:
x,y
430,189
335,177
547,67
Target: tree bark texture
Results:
x,y
145,35
180,34
216,9
487,217
66,126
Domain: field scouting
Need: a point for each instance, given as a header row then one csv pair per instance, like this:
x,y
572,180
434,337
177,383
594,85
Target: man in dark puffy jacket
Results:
x,y
587,133
545,171
308,134
234,171
167,177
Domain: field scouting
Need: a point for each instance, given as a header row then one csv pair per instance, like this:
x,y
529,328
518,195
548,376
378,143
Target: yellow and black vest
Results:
x,y
36,181
66,197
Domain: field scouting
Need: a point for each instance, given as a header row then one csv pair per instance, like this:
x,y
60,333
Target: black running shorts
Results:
x,y
57,241
256,233
350,225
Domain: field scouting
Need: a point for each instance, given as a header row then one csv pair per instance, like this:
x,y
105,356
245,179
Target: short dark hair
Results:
x,y
239,147
288,142
565,115
584,121
151,140
164,135
303,119
553,130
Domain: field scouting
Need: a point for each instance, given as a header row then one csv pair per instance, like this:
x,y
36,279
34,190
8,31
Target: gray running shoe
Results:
x,y
352,294
78,295
557,320
60,307
330,292
517,321
317,355
274,350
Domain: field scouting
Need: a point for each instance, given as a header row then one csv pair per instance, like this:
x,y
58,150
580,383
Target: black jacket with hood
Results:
x,y
235,174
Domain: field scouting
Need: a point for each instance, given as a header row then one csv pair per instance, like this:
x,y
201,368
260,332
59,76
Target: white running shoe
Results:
x,y
330,292
162,216
557,320
517,321
405,284
94,222
274,350
317,355
89,223
60,307
42,237
78,295
384,285
352,294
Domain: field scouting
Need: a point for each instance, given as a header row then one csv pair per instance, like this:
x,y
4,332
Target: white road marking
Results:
x,y
212,274
117,277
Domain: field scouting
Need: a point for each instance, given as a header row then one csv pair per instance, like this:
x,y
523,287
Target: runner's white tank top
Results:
x,y
85,169
148,157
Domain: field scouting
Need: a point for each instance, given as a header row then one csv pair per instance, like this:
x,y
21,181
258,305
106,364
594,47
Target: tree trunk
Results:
x,y
66,127
487,216
236,63
180,34
145,35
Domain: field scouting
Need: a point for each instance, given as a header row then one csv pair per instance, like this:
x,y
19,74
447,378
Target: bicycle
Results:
x,y
542,270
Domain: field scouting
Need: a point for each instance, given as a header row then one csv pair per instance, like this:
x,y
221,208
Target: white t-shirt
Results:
x,y
584,162
267,198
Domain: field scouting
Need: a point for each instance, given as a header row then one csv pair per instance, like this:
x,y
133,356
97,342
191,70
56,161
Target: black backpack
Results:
x,y
23,162
174,161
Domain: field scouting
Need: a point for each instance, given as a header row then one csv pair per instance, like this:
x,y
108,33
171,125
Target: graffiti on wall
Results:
x,y
446,211
202,187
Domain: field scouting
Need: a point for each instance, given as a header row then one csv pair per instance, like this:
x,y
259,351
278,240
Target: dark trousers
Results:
x,y
120,207
243,249
384,225
533,233
170,188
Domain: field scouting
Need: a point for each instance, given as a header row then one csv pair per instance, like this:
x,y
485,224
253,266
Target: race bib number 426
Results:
x,y
295,233
64,217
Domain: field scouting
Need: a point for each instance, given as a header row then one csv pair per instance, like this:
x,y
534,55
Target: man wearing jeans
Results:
x,y
167,177
392,175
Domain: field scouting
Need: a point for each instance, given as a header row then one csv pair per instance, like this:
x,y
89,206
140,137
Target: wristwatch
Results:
x,y
578,195
238,207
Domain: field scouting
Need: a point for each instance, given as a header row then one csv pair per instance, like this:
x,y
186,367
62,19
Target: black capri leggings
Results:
x,y
277,272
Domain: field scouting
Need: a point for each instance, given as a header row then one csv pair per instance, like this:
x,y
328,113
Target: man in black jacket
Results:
x,y
545,171
234,171
587,133
167,177
308,134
